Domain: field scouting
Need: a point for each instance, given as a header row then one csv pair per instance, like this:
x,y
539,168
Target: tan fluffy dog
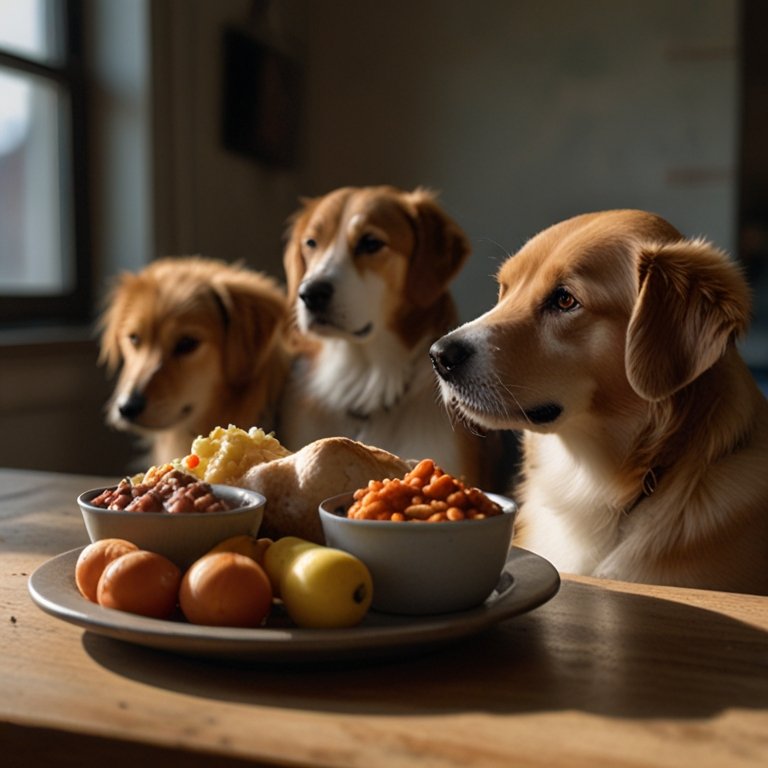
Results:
x,y
199,344
368,271
646,438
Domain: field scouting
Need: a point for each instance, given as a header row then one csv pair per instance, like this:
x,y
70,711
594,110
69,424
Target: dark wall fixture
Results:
x,y
753,160
261,99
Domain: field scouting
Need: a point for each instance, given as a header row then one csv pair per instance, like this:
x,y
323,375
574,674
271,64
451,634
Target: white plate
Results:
x,y
526,582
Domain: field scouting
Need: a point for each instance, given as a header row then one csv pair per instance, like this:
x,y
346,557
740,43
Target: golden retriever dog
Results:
x,y
613,348
367,272
199,344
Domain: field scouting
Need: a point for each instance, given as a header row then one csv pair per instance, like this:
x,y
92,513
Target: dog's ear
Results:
x,y
110,321
440,252
293,261
255,316
692,301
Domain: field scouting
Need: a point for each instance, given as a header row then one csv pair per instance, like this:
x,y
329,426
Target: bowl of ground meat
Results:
x,y
172,513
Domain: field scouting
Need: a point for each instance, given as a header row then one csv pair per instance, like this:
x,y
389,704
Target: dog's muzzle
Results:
x,y
448,355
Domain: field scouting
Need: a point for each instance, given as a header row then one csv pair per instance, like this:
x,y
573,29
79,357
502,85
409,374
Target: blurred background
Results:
x,y
140,128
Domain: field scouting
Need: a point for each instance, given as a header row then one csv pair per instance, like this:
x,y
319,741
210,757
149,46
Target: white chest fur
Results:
x,y
378,394
363,378
570,511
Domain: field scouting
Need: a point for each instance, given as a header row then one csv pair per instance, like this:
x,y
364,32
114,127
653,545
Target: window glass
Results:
x,y
29,28
34,243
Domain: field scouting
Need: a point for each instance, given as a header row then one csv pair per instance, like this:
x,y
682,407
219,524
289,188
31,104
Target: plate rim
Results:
x,y
52,588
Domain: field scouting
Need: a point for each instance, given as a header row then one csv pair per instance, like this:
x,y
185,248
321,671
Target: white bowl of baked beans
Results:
x,y
182,524
423,558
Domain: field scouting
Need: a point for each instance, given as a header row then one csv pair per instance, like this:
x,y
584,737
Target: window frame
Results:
x,y
73,306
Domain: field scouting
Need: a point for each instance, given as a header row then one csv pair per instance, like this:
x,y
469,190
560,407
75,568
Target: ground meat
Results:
x,y
175,492
148,501
195,497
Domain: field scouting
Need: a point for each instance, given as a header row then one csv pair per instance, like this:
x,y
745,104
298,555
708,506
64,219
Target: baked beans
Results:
x,y
425,494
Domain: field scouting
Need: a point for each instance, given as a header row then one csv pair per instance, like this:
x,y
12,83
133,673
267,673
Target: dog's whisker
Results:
x,y
508,388
503,252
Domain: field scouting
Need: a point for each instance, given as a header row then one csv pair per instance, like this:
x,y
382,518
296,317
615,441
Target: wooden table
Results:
x,y
605,674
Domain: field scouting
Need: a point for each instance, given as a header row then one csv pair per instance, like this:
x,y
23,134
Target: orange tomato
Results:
x,y
140,582
225,589
94,559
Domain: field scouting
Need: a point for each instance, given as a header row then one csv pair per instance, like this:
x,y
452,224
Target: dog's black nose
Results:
x,y
448,354
129,409
316,295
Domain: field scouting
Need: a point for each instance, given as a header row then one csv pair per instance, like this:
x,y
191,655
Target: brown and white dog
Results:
x,y
199,344
612,346
367,271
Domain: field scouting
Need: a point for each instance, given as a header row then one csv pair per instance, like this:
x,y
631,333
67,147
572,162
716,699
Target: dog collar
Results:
x,y
366,415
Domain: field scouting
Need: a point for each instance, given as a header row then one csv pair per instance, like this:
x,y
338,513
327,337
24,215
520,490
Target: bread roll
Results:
x,y
295,485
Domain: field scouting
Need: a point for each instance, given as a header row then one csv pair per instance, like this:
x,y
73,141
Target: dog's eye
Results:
x,y
563,301
185,345
310,243
368,244
135,339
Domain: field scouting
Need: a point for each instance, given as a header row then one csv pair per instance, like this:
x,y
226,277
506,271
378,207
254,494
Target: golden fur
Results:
x,y
199,344
613,347
367,272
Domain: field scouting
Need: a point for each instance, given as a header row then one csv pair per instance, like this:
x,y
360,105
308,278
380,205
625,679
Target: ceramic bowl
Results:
x,y
424,568
180,537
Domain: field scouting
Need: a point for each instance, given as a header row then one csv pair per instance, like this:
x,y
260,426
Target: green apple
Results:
x,y
326,588
280,554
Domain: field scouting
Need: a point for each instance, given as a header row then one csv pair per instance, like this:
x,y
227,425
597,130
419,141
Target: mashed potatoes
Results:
x,y
227,454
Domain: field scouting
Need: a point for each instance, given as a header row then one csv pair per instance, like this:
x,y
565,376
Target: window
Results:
x,y
44,258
